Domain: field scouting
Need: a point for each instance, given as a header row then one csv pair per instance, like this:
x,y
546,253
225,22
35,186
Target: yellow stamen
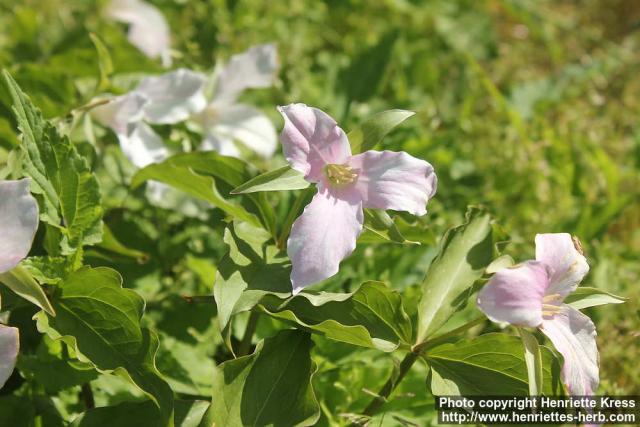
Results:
x,y
340,174
577,244
551,298
549,310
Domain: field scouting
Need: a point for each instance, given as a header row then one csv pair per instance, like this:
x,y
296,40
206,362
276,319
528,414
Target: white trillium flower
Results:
x,y
148,28
18,225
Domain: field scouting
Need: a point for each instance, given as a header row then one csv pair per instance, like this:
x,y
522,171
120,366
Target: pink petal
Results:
x,y
390,180
321,237
174,96
573,334
148,29
9,346
255,68
18,222
568,266
514,295
311,139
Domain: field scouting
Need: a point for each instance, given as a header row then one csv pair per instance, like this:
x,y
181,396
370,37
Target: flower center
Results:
x,y
340,174
549,306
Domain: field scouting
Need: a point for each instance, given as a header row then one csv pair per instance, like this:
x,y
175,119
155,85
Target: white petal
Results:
x,y
142,146
220,144
255,68
148,29
174,96
245,124
573,334
568,265
120,111
9,346
322,237
18,222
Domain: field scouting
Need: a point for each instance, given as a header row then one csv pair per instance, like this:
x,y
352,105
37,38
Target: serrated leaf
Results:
x,y
465,251
491,365
375,128
66,189
372,316
188,413
20,281
584,297
280,179
252,268
380,227
101,321
270,387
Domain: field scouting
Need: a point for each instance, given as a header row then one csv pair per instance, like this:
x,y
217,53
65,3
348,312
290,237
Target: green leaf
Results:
x,y
379,226
372,316
533,360
491,364
503,261
101,321
253,268
280,179
465,251
67,190
104,62
271,387
584,297
371,131
16,411
188,413
112,244
20,281
195,173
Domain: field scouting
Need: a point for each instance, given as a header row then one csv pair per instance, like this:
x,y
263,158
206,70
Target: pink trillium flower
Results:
x,y
18,225
148,28
532,294
327,230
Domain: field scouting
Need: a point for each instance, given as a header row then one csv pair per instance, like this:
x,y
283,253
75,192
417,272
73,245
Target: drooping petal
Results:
x,y
514,295
18,222
245,124
311,139
220,144
255,68
322,237
174,96
394,180
573,334
9,346
142,146
120,111
148,29
568,265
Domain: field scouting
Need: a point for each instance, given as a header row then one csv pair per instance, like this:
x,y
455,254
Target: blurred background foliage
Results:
x,y
528,107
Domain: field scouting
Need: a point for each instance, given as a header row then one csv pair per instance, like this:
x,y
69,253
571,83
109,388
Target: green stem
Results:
x,y
421,348
87,396
245,344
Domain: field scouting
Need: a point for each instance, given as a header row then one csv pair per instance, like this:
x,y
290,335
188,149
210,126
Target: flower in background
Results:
x,y
327,230
18,225
148,28
532,294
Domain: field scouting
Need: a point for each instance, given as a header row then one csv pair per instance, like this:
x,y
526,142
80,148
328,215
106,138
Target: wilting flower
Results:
x,y
18,225
182,95
532,294
148,29
327,230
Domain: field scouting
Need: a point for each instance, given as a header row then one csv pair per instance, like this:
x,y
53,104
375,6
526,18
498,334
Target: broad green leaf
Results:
x,y
271,387
533,360
188,413
372,130
503,261
465,251
196,175
283,178
20,281
491,364
104,62
372,316
379,226
101,321
252,268
16,411
112,244
584,297
67,190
